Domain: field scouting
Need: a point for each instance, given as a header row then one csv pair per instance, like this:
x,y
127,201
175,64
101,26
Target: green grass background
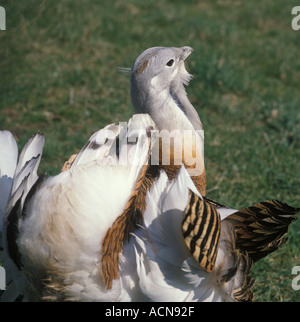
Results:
x,y
59,75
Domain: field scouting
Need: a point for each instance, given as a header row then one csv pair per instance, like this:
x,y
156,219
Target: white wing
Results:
x,y
25,176
75,209
8,162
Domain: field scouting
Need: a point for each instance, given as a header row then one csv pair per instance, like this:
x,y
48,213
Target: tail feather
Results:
x,y
262,228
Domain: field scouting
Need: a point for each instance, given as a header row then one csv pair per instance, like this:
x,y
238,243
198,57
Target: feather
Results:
x,y
201,231
98,146
223,210
261,228
138,153
8,162
125,70
24,178
152,282
32,148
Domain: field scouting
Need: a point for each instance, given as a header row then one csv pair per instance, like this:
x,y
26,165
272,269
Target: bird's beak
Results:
x,y
186,51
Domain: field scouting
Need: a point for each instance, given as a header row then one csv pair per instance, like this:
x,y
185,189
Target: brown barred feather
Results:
x,y
201,231
126,223
261,228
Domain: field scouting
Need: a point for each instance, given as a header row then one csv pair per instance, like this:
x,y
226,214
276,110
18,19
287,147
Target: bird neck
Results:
x,y
168,113
170,110
172,113
180,98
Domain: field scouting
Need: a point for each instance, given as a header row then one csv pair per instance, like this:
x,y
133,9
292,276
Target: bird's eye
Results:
x,y
170,63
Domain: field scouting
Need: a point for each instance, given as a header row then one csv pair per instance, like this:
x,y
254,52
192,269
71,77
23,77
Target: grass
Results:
x,y
58,67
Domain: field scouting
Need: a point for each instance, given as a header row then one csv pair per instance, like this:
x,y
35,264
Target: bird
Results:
x,y
118,224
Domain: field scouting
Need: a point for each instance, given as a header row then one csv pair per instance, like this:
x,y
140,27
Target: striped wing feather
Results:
x,y
201,231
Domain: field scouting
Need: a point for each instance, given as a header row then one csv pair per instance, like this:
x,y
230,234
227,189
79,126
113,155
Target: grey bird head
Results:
x,y
159,74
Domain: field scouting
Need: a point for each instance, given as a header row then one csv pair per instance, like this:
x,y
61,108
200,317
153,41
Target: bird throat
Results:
x,y
178,102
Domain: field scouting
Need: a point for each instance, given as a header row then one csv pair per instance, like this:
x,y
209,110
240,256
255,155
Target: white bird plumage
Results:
x,y
60,237
54,229
8,161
